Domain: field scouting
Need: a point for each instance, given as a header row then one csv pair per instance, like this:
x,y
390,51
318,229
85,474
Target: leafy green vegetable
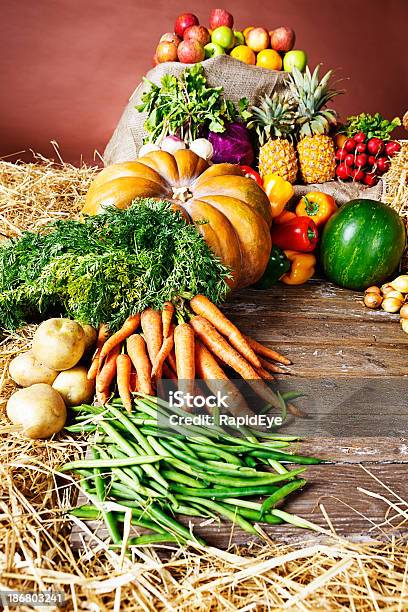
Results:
x,y
372,125
107,267
184,106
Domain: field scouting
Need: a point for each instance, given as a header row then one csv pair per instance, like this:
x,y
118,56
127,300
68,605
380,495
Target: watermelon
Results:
x,y
362,244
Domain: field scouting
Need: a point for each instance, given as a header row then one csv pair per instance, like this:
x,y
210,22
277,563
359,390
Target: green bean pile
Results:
x,y
156,474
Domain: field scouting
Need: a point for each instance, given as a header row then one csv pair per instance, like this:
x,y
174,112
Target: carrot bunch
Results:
x,y
195,341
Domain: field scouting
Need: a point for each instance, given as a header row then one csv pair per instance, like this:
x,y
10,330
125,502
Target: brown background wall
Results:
x,y
68,66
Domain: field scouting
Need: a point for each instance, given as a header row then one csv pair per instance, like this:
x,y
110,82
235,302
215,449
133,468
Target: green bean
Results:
x,y
223,492
182,479
108,516
223,511
92,513
256,516
235,469
250,461
130,481
280,456
220,452
189,511
248,481
281,493
154,538
109,463
86,428
278,467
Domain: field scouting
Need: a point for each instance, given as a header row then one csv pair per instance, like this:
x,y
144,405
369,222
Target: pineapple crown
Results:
x,y
312,95
275,117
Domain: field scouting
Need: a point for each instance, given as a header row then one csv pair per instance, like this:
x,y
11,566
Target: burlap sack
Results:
x,y
238,80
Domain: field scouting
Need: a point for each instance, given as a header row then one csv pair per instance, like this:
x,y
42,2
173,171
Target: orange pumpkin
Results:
x,y
236,210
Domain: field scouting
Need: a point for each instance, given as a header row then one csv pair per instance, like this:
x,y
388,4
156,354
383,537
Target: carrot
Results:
x,y
203,307
264,374
124,369
134,383
152,331
264,351
167,315
106,375
171,358
271,367
209,336
136,348
130,325
216,380
185,361
103,335
162,355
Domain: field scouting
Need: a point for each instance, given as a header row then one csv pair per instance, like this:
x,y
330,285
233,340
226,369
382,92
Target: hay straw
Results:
x,y
396,181
35,551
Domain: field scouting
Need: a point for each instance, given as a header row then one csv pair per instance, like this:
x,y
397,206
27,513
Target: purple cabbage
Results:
x,y
233,146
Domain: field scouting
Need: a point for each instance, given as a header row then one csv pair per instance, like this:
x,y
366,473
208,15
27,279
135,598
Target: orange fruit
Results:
x,y
244,54
268,58
248,29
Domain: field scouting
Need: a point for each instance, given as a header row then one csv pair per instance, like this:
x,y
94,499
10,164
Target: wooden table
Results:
x,y
329,334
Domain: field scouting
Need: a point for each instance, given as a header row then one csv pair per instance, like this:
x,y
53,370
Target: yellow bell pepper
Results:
x,y
278,191
302,268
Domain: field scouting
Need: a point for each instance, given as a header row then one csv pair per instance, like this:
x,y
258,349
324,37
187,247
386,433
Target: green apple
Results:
x,y
212,49
239,38
294,58
224,37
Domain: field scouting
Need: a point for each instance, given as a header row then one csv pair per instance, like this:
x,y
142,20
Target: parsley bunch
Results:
x,y
184,106
371,125
107,267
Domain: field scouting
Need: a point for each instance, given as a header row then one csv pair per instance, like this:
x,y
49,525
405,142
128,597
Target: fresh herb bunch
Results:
x,y
184,106
107,267
373,126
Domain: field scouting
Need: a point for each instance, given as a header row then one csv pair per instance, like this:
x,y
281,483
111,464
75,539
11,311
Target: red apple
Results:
x,y
190,52
183,22
199,33
170,37
220,17
283,39
257,39
166,52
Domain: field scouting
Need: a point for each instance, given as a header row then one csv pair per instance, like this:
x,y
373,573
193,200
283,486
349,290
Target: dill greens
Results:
x,y
107,267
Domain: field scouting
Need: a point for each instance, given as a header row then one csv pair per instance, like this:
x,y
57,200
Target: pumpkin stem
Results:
x,y
182,194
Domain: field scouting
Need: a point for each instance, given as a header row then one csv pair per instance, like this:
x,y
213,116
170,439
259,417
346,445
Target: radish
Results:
x,y
341,154
359,137
203,148
361,147
350,145
375,146
383,163
343,171
357,175
170,144
371,160
361,160
392,147
349,160
370,179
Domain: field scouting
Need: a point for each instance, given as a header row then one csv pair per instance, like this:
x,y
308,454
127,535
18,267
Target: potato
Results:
x,y
39,409
74,387
90,337
59,343
25,370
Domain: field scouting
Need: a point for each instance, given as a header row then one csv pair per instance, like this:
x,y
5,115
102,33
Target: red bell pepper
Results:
x,y
298,234
253,174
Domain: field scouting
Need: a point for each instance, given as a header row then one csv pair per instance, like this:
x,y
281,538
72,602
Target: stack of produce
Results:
x,y
191,43
392,297
154,472
365,150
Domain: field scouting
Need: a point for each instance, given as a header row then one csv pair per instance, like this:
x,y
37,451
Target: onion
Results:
x,y
203,148
404,312
404,325
391,304
386,288
372,300
400,283
395,294
171,144
148,148
373,289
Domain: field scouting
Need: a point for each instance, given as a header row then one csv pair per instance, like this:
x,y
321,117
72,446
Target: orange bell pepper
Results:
x,y
278,191
286,215
302,268
318,206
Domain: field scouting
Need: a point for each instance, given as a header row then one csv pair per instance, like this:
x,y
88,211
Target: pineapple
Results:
x,y
315,148
274,122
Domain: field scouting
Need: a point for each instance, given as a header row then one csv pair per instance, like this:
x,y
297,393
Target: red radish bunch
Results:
x,y
364,160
